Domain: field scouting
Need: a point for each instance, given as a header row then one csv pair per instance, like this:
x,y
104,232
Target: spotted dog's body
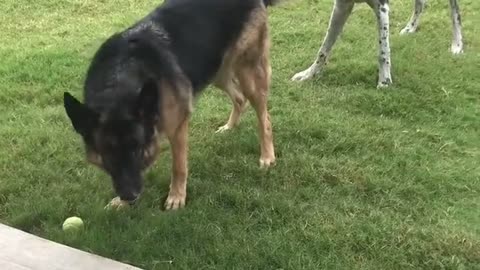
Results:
x,y
340,14
142,82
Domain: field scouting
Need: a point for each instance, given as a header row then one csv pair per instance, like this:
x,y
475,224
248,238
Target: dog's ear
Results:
x,y
83,119
147,102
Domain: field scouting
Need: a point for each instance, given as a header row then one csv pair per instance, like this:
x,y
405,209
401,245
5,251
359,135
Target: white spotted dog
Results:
x,y
341,11
457,41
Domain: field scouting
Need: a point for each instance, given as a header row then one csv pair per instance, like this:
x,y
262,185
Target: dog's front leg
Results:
x,y
382,11
178,185
340,13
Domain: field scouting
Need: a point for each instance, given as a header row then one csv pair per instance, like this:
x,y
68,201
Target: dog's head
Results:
x,y
122,140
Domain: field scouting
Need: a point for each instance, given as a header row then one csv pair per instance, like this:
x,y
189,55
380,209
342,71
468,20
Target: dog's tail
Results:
x,y
270,2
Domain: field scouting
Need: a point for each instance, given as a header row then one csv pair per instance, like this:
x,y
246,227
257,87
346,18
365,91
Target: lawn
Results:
x,y
365,178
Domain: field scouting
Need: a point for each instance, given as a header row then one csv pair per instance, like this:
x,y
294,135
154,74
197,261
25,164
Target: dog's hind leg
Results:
x,y
228,84
339,16
457,40
414,21
254,73
382,11
254,81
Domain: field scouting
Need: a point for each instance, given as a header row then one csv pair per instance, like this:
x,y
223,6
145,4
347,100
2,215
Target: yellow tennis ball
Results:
x,y
72,224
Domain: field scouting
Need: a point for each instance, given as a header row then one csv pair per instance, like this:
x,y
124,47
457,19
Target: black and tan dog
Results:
x,y
142,82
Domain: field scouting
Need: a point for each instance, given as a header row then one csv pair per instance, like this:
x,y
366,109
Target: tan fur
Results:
x,y
245,75
174,124
176,105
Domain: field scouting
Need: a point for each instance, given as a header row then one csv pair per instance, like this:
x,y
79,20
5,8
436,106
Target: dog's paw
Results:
x,y
307,74
267,162
175,201
116,204
408,30
457,49
223,128
384,84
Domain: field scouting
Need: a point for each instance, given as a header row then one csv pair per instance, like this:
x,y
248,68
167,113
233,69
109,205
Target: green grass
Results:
x,y
365,179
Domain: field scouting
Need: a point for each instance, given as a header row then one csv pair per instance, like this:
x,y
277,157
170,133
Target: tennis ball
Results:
x,y
72,224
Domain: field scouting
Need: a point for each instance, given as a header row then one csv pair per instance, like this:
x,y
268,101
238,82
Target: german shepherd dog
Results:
x,y
142,83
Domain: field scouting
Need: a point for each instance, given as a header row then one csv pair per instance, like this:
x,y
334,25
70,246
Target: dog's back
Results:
x,y
201,31
197,33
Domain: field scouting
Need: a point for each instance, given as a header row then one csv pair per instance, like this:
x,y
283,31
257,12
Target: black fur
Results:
x,y
179,39
270,2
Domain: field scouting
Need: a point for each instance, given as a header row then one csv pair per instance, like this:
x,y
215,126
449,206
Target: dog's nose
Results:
x,y
130,195
129,192
131,198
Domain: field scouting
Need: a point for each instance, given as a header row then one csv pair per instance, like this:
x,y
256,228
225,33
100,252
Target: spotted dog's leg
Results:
x,y
382,11
412,25
457,40
339,16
